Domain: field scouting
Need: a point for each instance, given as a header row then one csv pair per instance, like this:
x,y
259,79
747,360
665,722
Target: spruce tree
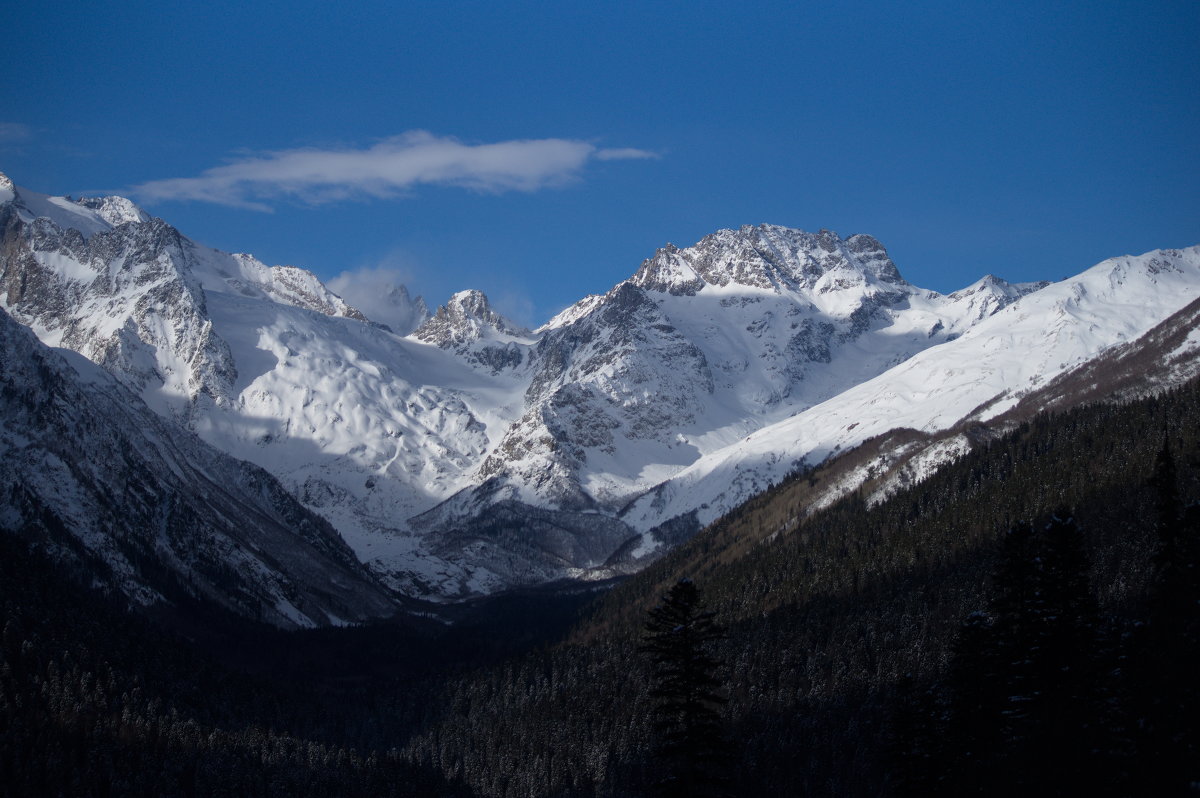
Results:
x,y
691,748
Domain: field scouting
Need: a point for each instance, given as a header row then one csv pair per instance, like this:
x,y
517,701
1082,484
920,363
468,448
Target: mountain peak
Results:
x,y
115,210
769,257
874,256
991,285
467,316
471,303
6,184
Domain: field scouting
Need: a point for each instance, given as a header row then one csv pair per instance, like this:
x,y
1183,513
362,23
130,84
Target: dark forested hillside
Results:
x,y
844,634
832,622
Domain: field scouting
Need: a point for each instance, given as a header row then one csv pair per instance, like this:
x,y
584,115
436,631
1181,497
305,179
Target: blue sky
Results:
x,y
539,151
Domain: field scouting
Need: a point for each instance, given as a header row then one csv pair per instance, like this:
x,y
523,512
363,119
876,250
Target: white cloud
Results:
x,y
624,154
387,168
381,293
14,132
514,306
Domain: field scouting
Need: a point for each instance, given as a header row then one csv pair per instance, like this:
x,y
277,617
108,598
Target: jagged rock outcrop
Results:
x,y
467,326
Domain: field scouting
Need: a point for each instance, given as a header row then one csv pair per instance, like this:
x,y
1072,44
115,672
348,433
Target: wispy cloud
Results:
x,y
623,154
14,132
381,292
387,169
515,306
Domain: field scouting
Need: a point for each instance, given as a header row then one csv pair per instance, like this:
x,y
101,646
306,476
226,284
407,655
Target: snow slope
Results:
x,y
265,363
980,374
92,475
704,346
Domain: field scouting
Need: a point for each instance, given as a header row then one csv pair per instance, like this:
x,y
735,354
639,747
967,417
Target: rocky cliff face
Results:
x,y
473,454
468,327
119,298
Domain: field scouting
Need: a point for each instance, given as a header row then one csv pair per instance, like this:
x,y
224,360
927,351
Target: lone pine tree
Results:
x,y
691,749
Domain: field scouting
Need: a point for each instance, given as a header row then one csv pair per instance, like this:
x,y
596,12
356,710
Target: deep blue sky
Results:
x,y
1025,139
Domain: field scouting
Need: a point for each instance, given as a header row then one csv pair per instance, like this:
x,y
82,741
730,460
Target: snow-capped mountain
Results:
x,y
705,345
468,327
141,505
977,376
473,454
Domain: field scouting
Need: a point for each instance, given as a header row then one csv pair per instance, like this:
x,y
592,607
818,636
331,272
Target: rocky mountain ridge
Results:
x,y
474,455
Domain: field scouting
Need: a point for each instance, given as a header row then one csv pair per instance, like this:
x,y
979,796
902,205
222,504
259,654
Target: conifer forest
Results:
x,y
1024,622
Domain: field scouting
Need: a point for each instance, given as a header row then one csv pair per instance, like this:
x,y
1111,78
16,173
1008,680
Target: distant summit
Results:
x,y
770,257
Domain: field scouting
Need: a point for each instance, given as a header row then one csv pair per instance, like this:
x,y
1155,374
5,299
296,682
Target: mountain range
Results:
x,y
454,454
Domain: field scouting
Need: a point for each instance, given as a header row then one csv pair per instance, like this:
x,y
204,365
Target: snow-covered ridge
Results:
x,y
115,210
474,454
130,490
704,345
266,363
980,374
